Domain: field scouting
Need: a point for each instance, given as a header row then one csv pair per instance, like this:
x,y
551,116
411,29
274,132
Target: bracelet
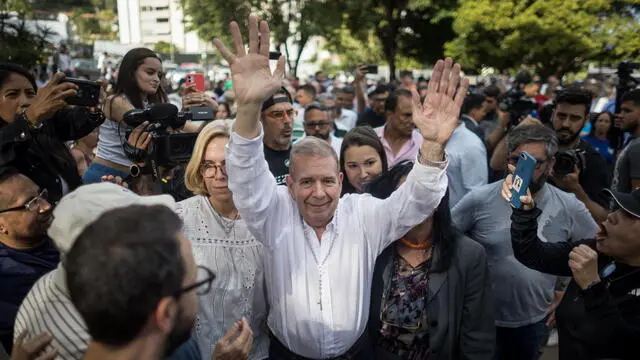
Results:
x,y
32,126
439,164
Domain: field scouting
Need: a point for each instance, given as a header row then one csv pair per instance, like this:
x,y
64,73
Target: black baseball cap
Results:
x,y
628,202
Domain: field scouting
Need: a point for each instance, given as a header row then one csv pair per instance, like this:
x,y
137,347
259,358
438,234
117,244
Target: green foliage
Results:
x,y
552,36
22,45
90,27
353,52
164,47
296,20
412,29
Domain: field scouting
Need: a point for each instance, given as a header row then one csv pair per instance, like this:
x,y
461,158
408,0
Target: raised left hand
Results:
x,y
439,115
583,262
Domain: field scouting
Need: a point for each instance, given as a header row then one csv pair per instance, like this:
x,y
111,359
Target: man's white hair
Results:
x,y
311,146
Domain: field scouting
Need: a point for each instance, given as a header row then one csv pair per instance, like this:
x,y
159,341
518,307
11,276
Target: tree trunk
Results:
x,y
301,45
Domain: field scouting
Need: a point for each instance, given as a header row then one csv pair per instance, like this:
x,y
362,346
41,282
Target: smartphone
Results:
x,y
522,178
88,92
196,80
371,69
274,55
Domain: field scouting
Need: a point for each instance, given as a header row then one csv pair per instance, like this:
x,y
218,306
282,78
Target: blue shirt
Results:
x,y
467,168
603,147
19,270
522,296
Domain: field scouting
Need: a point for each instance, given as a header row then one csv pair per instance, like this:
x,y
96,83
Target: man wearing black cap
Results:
x,y
277,121
599,316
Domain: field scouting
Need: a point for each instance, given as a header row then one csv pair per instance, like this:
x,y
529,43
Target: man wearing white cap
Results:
x,y
48,307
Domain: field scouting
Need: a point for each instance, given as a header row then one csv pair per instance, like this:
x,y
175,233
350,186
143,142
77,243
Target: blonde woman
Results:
x,y
222,242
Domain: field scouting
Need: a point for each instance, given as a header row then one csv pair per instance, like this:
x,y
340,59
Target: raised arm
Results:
x,y
253,82
427,183
254,189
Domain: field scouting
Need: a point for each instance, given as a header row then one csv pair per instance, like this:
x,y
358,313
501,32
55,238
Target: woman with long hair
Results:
x,y
224,111
362,158
36,123
602,128
430,297
137,86
222,242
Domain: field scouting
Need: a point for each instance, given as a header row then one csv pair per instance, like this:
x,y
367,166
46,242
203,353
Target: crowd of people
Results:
x,y
318,220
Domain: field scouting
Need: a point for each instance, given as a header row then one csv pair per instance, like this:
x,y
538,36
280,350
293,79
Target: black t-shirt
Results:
x,y
278,163
368,117
627,167
595,177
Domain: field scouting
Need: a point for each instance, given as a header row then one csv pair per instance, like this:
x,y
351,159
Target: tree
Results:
x,y
292,22
165,48
415,28
20,44
552,36
94,26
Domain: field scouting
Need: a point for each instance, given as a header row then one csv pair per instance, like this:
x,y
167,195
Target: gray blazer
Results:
x,y
459,307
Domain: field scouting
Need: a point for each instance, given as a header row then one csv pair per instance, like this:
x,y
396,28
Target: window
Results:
x,y
162,8
162,20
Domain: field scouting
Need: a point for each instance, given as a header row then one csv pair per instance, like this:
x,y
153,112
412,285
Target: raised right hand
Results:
x,y
527,200
50,98
236,343
253,82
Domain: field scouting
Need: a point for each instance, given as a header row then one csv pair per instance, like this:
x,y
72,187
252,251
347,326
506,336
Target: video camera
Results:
x,y
168,148
567,160
514,101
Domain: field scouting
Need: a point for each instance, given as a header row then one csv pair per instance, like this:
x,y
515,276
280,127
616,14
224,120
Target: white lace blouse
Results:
x,y
226,247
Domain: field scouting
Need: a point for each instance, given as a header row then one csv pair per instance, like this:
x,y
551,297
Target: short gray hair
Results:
x,y
324,97
535,133
312,146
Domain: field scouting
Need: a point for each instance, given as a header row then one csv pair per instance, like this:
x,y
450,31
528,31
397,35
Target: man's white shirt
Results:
x,y
319,291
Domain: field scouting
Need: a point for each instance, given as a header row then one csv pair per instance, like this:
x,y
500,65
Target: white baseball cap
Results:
x,y
86,204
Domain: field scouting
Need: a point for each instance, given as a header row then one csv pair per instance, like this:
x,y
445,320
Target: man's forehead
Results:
x,y
578,109
280,106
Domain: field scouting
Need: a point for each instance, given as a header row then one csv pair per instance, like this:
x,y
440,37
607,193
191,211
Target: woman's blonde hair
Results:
x,y
193,178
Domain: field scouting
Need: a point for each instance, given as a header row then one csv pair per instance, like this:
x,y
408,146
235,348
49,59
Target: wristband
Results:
x,y
439,164
32,126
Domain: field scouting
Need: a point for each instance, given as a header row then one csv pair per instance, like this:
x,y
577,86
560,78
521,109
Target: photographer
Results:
x,y
34,126
599,316
579,168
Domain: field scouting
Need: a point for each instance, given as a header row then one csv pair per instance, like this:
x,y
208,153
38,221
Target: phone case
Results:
x,y
522,178
197,80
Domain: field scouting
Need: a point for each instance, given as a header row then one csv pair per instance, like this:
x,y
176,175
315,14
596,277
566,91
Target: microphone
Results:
x,y
164,114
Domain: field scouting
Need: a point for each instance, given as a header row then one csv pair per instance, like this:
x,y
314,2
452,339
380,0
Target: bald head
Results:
x,y
311,147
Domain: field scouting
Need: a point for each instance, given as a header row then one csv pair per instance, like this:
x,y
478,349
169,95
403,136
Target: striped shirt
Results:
x,y
48,308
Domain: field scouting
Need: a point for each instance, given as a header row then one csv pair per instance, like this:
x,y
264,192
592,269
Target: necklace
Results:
x,y
227,225
411,245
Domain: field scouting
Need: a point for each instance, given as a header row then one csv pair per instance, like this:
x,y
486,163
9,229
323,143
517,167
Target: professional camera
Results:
x,y
514,101
567,160
167,148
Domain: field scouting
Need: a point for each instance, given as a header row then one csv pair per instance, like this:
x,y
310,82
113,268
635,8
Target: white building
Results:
x,y
150,21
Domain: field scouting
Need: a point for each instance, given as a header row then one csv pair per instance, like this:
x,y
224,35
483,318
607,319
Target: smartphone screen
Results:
x,y
522,178
196,80
372,69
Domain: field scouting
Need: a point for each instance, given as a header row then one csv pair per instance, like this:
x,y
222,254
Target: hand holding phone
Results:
x,y
88,93
195,81
521,179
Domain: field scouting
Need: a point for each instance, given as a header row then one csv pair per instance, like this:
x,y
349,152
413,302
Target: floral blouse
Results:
x,y
403,318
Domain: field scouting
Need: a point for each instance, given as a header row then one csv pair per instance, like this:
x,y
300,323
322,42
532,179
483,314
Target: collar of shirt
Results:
x,y
408,151
470,119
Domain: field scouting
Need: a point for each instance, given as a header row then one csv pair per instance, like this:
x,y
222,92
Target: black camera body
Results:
x,y
567,160
515,103
168,148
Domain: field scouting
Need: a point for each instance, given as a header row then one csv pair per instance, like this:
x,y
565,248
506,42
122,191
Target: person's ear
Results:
x,y
4,226
289,181
165,314
340,179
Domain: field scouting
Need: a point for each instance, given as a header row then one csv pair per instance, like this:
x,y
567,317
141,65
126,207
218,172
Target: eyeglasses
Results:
x,y
280,115
31,205
513,160
202,285
322,125
210,168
